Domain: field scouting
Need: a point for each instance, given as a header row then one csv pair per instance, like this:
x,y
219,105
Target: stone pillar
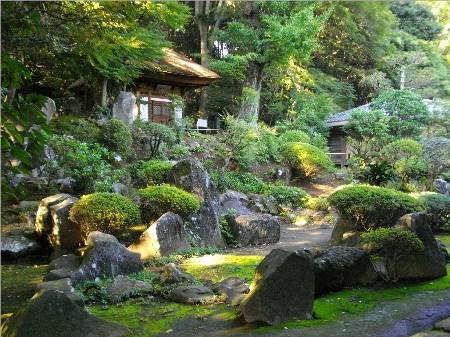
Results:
x,y
123,107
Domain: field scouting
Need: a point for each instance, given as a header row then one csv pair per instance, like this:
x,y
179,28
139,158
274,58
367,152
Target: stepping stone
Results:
x,y
193,294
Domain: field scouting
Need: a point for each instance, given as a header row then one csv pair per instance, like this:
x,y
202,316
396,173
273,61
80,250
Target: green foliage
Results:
x,y
104,212
377,172
307,159
159,199
286,195
317,203
438,206
116,136
82,129
370,207
405,156
406,110
154,172
293,136
120,175
392,244
149,137
416,19
244,182
85,163
436,153
226,231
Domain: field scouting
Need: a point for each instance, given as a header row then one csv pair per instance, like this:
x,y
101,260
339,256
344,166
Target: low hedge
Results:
x,y
154,172
159,199
370,207
306,159
286,195
105,212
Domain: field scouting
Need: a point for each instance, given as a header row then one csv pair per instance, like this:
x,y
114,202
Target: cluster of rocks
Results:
x,y
440,329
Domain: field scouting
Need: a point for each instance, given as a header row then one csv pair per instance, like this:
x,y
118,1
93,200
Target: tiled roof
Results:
x,y
344,116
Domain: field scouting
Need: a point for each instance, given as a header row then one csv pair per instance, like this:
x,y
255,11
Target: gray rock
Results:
x,y
190,175
63,285
351,239
106,257
441,186
123,107
120,188
283,289
65,234
164,237
57,274
428,264
263,204
233,288
123,287
49,109
16,245
254,229
169,273
340,267
234,202
68,261
52,313
283,174
192,294
443,249
43,216
443,324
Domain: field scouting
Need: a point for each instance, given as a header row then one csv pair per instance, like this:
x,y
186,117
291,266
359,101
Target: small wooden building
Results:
x,y
173,75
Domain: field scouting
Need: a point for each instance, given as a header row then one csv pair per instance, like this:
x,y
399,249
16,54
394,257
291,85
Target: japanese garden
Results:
x,y
225,168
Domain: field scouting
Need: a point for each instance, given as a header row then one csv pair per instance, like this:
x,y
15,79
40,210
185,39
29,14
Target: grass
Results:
x,y
19,283
220,266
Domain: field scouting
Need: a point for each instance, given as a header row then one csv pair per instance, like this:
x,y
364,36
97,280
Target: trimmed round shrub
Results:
x,y
104,212
307,159
154,171
369,207
293,136
116,136
317,203
159,199
438,207
286,195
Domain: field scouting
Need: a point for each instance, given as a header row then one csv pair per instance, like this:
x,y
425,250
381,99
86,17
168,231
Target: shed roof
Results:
x,y
176,67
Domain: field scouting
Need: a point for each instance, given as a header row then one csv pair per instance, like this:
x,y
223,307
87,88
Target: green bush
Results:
x,y
391,244
293,136
159,199
317,203
121,175
307,159
370,207
82,129
244,182
116,136
105,212
154,172
149,137
438,206
85,163
286,195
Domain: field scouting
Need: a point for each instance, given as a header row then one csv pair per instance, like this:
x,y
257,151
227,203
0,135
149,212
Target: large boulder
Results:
x,y
233,289
123,107
234,202
283,289
165,236
44,223
49,109
52,313
254,229
16,245
106,258
63,285
428,264
339,267
441,186
190,175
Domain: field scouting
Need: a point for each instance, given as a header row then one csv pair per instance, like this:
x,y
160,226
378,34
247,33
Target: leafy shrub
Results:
x,y
226,231
148,138
438,206
105,212
370,207
317,203
154,171
82,129
243,182
307,159
293,136
116,136
285,195
178,151
115,176
159,199
392,244
436,153
85,163
378,172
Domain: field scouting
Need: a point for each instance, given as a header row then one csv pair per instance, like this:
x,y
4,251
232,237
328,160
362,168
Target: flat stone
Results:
x,y
124,287
170,273
443,325
192,294
65,286
57,274
233,288
18,245
68,261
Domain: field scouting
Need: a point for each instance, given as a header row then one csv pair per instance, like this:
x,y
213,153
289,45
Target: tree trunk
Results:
x,y
204,52
251,92
104,91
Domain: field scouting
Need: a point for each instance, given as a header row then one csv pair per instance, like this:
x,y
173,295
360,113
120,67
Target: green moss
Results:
x,y
445,239
19,284
219,266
